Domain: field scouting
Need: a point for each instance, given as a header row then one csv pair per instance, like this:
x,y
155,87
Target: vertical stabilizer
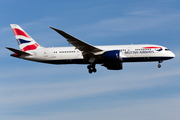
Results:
x,y
24,40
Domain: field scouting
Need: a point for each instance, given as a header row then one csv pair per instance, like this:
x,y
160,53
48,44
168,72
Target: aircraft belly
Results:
x,y
65,61
144,59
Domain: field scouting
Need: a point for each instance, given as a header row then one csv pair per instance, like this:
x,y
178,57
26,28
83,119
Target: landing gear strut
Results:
x,y
91,68
159,65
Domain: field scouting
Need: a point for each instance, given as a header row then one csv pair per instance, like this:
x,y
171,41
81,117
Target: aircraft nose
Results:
x,y
172,55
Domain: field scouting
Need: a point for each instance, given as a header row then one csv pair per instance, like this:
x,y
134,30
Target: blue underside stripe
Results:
x,y
82,61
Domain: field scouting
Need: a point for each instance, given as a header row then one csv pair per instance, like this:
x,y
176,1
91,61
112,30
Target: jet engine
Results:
x,y
112,56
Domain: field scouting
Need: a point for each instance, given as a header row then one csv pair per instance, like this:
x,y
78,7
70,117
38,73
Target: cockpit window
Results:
x,y
167,50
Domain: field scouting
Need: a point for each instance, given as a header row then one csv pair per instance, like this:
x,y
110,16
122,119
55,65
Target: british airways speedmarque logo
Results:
x,y
156,48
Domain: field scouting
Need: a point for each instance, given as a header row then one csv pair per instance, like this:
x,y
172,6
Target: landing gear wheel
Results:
x,y
90,71
94,70
159,65
91,68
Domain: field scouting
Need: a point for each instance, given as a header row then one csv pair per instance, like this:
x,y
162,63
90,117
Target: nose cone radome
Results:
x,y
172,55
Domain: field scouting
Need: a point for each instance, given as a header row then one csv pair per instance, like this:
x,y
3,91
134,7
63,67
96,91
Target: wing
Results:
x,y
80,45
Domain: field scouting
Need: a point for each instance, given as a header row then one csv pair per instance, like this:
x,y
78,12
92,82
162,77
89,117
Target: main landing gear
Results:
x,y
91,68
159,65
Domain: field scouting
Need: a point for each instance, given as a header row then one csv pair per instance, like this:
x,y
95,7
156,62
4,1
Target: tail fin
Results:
x,y
24,40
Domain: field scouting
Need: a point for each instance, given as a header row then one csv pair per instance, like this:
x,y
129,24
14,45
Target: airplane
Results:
x,y
112,56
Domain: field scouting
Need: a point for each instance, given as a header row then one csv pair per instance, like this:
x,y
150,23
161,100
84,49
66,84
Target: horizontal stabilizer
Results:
x,y
18,51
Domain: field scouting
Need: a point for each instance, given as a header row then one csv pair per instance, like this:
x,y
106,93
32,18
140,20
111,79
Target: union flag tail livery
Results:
x,y
112,56
24,40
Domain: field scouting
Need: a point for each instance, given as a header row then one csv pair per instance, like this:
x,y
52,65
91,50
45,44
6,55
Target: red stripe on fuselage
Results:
x,y
152,47
20,32
30,47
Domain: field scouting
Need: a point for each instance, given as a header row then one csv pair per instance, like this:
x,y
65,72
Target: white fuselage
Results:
x,y
71,55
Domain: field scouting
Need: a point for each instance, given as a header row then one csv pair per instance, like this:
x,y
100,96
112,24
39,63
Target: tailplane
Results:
x,y
24,40
17,53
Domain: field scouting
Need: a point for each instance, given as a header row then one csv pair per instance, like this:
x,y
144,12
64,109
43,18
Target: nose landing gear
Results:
x,y
159,65
91,68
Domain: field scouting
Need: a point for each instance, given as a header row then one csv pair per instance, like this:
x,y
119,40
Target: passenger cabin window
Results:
x,y
66,52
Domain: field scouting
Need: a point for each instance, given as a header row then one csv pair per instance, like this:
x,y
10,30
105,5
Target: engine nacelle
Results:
x,y
113,66
112,56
